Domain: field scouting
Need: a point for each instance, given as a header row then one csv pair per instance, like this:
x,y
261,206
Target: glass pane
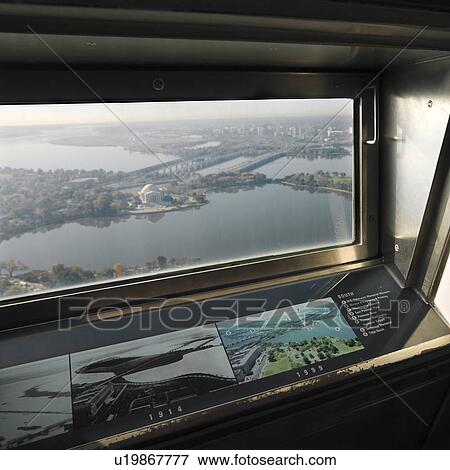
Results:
x,y
85,198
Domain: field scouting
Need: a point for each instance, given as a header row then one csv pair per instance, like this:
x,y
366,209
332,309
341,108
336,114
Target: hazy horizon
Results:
x,y
170,111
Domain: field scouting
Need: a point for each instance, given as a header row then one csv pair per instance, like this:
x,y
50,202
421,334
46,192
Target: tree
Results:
x,y
69,275
4,285
272,356
104,274
161,261
119,270
11,266
102,204
59,274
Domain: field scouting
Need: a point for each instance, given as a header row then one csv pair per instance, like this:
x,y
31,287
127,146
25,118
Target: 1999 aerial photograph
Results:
x,y
281,340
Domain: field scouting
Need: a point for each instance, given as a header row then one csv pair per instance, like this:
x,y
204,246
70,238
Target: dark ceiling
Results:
x,y
307,34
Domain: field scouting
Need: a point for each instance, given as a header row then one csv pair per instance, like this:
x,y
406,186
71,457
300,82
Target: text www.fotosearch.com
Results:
x,y
136,459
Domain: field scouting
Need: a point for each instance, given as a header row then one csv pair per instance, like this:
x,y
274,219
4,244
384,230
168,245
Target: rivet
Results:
x,y
158,84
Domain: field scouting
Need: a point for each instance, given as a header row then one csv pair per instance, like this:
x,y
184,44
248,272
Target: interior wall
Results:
x,y
414,112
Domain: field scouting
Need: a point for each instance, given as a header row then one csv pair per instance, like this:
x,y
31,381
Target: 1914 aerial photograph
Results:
x,y
147,375
288,338
34,402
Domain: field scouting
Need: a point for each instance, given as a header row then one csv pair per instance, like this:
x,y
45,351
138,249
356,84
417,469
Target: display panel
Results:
x,y
145,373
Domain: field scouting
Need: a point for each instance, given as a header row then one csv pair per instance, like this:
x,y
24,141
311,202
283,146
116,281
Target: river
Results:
x,y
260,221
234,225
47,156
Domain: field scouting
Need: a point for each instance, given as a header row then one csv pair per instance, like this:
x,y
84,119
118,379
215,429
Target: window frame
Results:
x,y
87,86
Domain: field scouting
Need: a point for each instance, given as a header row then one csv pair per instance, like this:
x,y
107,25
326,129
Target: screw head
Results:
x,y
158,84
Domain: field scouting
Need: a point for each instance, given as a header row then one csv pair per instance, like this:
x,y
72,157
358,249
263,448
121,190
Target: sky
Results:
x,y
98,113
35,370
150,345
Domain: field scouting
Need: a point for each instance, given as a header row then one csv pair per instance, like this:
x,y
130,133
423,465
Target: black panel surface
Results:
x,y
145,369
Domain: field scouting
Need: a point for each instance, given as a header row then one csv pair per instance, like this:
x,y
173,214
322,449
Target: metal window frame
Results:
x,y
433,240
62,86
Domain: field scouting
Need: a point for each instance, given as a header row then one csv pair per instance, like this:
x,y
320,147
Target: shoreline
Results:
x,y
305,186
163,210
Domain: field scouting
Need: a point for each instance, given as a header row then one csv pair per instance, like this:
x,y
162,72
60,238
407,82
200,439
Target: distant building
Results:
x,y
89,403
244,360
151,195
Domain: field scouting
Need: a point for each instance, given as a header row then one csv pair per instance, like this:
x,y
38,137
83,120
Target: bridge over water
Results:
x,y
179,165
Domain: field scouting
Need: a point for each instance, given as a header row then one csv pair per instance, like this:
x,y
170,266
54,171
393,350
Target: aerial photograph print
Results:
x,y
146,375
34,402
287,338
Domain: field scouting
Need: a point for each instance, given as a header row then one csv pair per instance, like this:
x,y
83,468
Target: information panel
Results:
x,y
90,393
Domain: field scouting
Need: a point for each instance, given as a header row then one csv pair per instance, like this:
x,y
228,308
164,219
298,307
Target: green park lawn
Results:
x,y
281,365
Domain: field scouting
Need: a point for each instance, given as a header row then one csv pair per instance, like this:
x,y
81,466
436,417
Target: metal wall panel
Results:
x,y
442,299
415,109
